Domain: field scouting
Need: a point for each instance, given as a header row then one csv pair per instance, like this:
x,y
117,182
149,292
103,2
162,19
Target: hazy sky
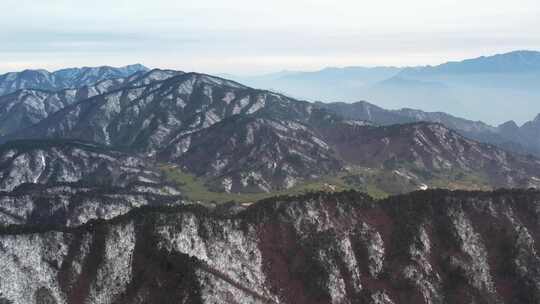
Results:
x,y
250,37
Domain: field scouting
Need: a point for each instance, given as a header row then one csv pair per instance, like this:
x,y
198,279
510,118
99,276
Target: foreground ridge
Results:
x,y
434,246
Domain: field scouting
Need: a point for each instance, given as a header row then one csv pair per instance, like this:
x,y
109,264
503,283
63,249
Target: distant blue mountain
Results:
x,y
513,62
508,84
329,84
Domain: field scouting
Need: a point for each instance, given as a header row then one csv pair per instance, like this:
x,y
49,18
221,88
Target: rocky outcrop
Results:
x,y
426,247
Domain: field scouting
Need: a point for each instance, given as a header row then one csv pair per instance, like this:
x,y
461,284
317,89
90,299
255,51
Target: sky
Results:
x,y
253,37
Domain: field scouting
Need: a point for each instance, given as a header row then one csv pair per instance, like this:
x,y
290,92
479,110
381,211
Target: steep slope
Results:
x,y
27,107
329,84
501,136
63,79
239,139
45,162
430,247
24,108
431,149
244,154
175,116
150,116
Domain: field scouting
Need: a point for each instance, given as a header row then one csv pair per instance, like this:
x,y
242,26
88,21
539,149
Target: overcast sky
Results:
x,y
251,37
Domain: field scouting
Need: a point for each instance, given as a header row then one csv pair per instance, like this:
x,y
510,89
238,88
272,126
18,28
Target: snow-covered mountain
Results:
x,y
239,139
100,200
25,107
425,247
64,79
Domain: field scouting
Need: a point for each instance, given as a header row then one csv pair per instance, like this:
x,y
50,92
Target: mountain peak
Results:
x,y
509,125
136,66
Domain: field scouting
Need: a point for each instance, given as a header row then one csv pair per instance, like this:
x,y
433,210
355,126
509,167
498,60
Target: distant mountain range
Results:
x,y
330,84
522,140
508,83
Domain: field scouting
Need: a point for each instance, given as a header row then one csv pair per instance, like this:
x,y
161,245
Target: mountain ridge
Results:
x,y
63,79
106,201
430,246
216,129
509,136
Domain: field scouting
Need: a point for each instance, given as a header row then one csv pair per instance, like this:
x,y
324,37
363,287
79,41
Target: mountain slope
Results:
x,y
507,82
363,110
238,139
27,107
329,84
45,162
75,204
244,154
63,79
527,134
512,62
501,136
430,247
432,149
150,116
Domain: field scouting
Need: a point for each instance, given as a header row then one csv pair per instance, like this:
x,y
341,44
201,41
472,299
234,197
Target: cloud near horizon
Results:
x,y
240,36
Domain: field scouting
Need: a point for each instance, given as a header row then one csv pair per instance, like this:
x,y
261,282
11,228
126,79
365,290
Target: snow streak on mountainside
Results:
x,y
245,140
63,79
430,247
26,107
522,140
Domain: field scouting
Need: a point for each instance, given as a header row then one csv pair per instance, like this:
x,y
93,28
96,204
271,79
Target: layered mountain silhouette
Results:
x,y
519,139
63,79
237,139
508,83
